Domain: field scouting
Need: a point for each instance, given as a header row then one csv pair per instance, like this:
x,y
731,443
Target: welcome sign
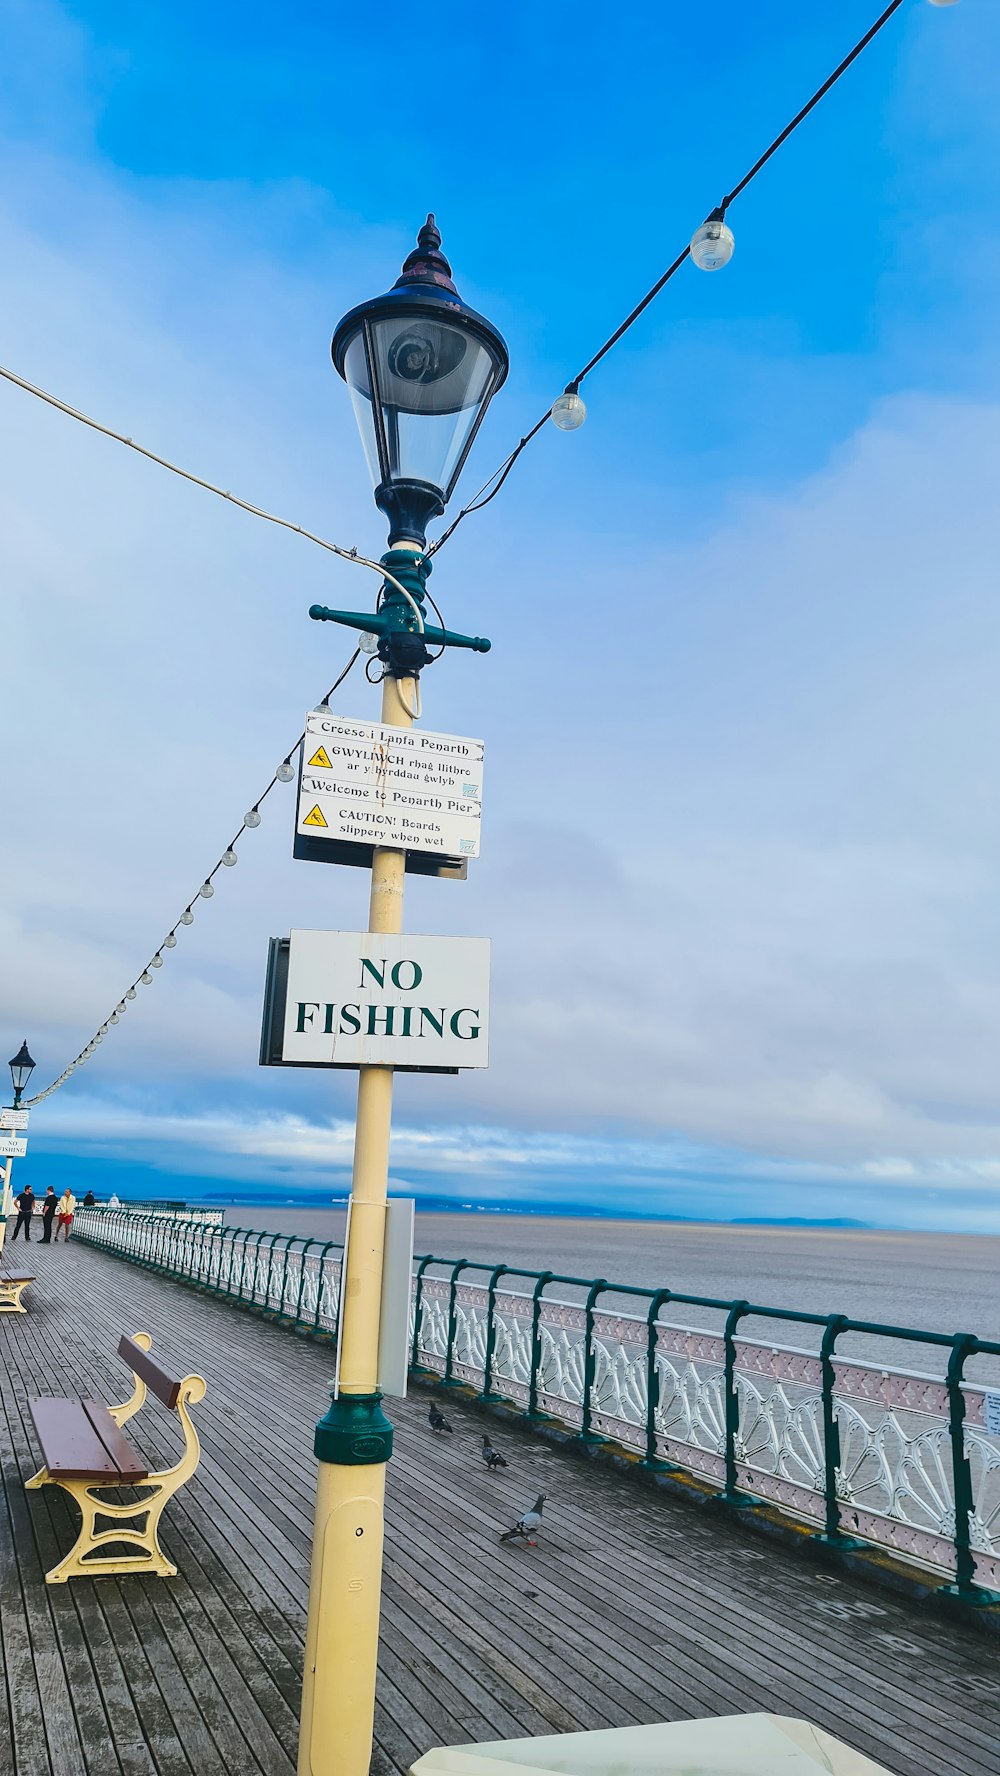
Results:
x,y
361,999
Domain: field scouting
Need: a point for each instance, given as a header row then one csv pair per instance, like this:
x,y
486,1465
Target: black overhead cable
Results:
x,y
499,476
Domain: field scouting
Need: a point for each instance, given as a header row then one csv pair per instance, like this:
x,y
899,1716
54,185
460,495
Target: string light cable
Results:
x,y
350,555
284,773
711,247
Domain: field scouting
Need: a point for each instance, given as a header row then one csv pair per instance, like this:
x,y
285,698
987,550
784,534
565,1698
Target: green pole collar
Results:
x,y
354,1433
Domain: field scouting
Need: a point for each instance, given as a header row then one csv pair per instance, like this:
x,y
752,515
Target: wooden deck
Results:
x,y
633,1607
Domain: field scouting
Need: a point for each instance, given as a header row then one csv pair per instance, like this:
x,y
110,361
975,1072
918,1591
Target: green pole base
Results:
x,y
739,1501
971,1594
354,1433
841,1543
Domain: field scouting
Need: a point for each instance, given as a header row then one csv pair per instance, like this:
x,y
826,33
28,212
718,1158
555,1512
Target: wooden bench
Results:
x,y
85,1452
12,1287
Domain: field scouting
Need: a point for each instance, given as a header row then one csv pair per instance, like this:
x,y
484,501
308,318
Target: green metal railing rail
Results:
x,y
295,1280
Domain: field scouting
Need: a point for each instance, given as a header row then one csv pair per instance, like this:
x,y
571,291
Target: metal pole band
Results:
x,y
355,1432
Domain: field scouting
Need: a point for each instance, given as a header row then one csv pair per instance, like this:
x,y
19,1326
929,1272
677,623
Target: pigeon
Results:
x,y
527,1527
492,1457
437,1420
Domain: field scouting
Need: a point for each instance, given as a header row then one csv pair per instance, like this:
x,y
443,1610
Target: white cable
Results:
x,y
144,977
198,480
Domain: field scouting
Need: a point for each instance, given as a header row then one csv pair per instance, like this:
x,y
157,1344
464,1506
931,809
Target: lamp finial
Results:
x,y
427,264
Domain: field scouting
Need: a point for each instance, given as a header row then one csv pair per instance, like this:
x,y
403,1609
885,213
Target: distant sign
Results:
x,y
356,999
13,1119
991,1411
365,784
13,1146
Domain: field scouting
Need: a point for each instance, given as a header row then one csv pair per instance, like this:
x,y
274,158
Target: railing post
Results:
x,y
417,1304
832,1533
587,1435
284,1276
731,1494
491,1332
653,1460
302,1279
449,1349
266,1304
320,1279
964,1345
536,1342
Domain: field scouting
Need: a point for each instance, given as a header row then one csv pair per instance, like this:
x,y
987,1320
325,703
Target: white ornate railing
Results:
x,y
856,1451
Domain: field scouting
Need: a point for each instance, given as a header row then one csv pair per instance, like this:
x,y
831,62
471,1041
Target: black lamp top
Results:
x,y
22,1058
427,264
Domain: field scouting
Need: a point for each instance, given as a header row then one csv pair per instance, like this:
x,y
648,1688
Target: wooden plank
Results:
x,y
634,1607
157,1380
120,1452
71,1447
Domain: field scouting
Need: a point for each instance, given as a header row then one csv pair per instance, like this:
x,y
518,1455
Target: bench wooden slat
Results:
x,y
157,1380
74,1449
116,1443
15,1276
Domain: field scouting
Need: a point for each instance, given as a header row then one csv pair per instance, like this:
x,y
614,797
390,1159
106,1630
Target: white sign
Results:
x,y
356,999
367,784
397,1274
13,1146
13,1119
991,1412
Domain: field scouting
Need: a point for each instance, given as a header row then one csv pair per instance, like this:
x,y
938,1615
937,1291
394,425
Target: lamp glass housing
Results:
x,y
431,380
21,1069
422,368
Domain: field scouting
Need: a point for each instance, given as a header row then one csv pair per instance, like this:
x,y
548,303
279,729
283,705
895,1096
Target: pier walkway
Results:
x,y
634,1607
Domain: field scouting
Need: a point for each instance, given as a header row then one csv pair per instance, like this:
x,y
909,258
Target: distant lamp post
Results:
x,y
422,368
21,1069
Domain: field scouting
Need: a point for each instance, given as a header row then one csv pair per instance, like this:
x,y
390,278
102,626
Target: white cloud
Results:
x,y
742,842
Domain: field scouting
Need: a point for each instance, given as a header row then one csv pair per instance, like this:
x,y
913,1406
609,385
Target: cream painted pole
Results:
x,y
354,1441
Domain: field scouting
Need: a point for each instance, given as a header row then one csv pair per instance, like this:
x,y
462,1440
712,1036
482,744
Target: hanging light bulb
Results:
x,y
157,961
229,857
120,1007
131,993
252,818
285,772
99,1037
113,1019
187,916
367,642
569,412
169,942
146,978
942,2
206,891
712,244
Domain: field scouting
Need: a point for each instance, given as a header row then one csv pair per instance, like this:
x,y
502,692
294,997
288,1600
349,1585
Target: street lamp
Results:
x,y
422,368
21,1069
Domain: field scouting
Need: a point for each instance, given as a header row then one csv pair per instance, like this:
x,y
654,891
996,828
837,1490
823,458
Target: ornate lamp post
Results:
x,y
422,368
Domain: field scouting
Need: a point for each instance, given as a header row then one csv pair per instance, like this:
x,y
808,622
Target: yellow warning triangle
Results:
x,y
314,819
319,758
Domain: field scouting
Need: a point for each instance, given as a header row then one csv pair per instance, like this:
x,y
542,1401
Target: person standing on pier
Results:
x,y
64,1213
48,1211
25,1209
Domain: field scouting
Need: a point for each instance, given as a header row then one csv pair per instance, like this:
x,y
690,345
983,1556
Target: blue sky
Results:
x,y
745,622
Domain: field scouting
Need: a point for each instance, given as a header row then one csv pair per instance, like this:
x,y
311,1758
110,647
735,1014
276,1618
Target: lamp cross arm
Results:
x,y
383,623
